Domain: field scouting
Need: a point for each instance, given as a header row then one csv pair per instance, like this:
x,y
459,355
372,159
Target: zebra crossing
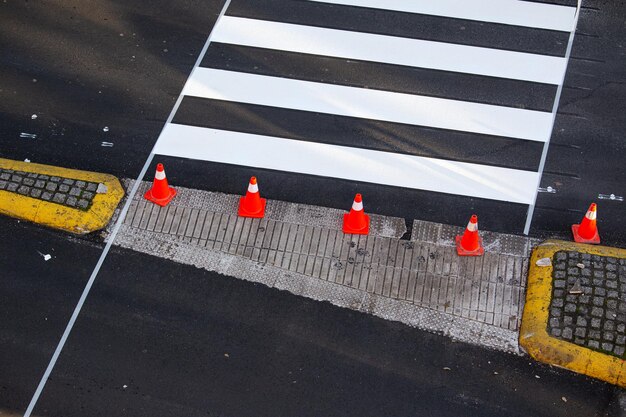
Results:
x,y
452,97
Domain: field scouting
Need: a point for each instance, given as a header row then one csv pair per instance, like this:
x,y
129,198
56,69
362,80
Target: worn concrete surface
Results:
x,y
418,281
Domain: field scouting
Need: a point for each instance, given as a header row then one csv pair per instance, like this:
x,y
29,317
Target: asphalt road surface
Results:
x,y
159,339
112,71
95,82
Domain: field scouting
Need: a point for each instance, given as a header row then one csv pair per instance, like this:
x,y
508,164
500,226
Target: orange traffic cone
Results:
x,y
587,231
471,244
356,222
160,193
252,205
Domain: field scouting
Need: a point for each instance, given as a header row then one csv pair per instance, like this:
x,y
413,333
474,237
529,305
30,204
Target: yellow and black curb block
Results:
x,y
75,201
534,336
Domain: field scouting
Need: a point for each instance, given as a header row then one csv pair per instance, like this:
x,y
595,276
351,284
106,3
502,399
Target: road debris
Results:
x,y
46,256
547,189
610,197
576,288
544,262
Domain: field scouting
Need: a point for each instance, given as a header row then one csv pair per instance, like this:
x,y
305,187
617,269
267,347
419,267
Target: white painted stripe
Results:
x,y
357,206
370,104
253,188
347,163
555,108
472,227
160,175
390,49
591,215
508,12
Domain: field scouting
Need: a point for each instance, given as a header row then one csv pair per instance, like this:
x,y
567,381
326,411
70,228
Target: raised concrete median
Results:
x,y
68,199
575,315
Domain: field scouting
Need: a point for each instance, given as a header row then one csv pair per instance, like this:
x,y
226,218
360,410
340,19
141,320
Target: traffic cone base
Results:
x,y
594,240
160,201
349,228
160,193
244,211
356,222
470,243
464,252
252,205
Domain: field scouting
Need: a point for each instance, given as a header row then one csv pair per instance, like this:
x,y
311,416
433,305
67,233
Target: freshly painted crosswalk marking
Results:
x,y
237,81
509,12
355,164
390,50
371,104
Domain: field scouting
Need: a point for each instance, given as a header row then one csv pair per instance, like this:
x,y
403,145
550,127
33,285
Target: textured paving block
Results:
x,y
588,313
422,273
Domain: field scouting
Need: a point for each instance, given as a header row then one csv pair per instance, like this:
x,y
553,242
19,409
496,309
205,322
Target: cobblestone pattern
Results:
x,y
595,318
488,289
64,191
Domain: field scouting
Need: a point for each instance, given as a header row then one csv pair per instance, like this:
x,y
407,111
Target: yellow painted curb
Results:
x,y
56,215
534,335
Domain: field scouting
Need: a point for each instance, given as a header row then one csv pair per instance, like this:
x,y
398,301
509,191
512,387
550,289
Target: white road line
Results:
x,y
390,50
343,162
371,104
508,12
555,109
107,247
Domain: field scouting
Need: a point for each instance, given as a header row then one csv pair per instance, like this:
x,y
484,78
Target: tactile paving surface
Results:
x,y
420,282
